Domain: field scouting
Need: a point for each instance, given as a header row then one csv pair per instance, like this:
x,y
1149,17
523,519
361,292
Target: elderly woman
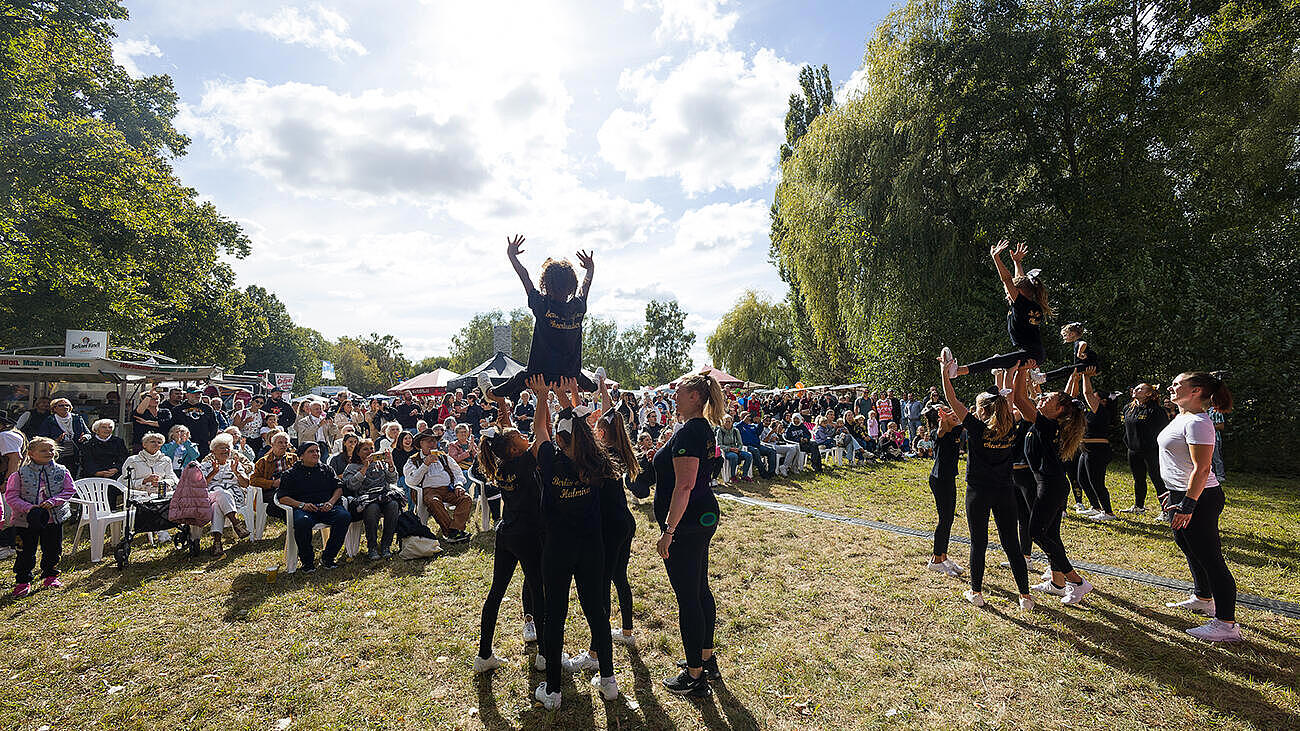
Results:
x,y
312,490
103,454
240,444
228,477
179,449
370,479
271,466
463,451
68,430
392,430
150,470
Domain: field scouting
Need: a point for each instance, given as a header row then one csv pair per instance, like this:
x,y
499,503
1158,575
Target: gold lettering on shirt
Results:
x,y
572,492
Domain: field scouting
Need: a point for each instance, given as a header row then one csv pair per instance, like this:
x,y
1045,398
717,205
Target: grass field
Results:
x,y
821,625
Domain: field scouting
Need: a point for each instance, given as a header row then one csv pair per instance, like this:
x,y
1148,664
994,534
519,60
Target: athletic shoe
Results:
x,y
1216,631
600,378
452,535
21,590
684,684
710,668
1074,593
549,701
1047,587
52,582
7,552
1080,508
582,661
952,567
329,565
1037,376
539,662
974,597
484,664
940,567
1026,604
949,361
530,632
1194,604
1165,517
385,554
1047,574
1102,517
372,555
617,636
485,384
608,686
308,568
1135,510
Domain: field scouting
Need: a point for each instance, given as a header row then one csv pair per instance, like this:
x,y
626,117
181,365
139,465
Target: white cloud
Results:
x,y
125,51
314,27
698,21
856,86
715,120
719,232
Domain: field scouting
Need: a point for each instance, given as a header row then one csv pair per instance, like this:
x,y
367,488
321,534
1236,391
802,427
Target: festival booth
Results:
x,y
499,368
724,379
98,387
433,383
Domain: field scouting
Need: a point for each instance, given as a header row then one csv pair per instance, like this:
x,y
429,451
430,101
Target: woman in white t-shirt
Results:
x,y
1196,499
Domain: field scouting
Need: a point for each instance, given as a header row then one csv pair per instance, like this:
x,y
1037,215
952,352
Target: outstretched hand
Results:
x,y
997,249
513,245
537,384
584,258
1018,254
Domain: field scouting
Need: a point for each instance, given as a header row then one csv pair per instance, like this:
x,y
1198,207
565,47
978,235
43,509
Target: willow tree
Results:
x,y
1146,152
754,341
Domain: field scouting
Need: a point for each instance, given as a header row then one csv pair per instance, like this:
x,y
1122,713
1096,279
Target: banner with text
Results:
x,y
285,381
326,370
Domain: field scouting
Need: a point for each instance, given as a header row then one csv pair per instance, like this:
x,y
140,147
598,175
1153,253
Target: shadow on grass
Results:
x,y
1195,670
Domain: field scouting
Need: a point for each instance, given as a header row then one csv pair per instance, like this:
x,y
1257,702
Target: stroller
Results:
x,y
145,515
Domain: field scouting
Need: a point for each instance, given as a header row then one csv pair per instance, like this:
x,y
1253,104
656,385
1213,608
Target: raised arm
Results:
x,y
503,414
563,389
995,251
541,422
1072,385
606,404
513,251
1088,394
1020,394
958,407
585,259
1018,255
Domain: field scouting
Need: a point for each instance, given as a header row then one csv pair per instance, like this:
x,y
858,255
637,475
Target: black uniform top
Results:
x,y
1143,423
990,457
1043,448
567,501
521,493
557,335
1020,462
694,439
1023,320
1099,421
945,454
1089,356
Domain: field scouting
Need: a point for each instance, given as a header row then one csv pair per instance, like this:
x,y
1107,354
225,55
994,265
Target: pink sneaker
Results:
x,y
21,590
52,582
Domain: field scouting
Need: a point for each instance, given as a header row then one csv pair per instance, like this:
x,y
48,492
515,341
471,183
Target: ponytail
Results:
x,y
488,460
715,404
1071,424
618,444
995,410
1213,389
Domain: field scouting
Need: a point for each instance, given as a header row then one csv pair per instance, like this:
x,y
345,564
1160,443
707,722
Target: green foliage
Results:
x,y
1146,153
818,96
755,341
473,344
432,363
603,344
665,342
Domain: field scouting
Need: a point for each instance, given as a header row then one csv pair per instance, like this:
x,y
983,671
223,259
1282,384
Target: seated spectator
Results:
x,y
774,438
924,444
337,445
69,432
845,440
228,476
441,481
421,426
270,467
405,447
856,426
270,423
240,444
312,490
150,470
371,481
462,450
797,433
392,430
890,446
103,454
729,441
443,434
179,448
751,436
823,435
342,458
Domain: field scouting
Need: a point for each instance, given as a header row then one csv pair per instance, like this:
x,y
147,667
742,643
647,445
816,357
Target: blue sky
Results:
x,y
379,153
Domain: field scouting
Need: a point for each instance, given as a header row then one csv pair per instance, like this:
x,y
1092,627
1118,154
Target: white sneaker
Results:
x,y
949,361
530,632
1047,587
539,662
1135,510
608,686
1101,517
600,378
1194,604
484,384
1165,517
974,597
549,701
582,661
617,636
1216,631
1036,375
1026,604
1080,508
1047,574
954,569
7,552
1074,593
940,567
484,664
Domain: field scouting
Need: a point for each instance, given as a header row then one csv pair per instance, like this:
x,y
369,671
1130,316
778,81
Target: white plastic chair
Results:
x,y
254,512
97,515
351,542
484,510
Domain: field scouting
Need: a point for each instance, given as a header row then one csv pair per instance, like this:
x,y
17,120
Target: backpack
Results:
x,y
409,525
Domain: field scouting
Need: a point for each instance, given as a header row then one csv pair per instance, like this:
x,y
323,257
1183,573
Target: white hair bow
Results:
x,y
1033,273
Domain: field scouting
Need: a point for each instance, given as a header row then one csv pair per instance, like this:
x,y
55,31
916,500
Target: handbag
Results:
x,y
418,547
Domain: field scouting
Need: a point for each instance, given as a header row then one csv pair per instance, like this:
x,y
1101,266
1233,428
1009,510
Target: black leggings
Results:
x,y
1093,459
1076,485
1141,464
1001,501
1008,360
688,573
1204,551
568,557
618,551
523,547
1063,373
517,383
1045,519
945,503
1026,494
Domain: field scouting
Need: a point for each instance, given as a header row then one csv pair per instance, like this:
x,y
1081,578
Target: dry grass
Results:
x,y
821,625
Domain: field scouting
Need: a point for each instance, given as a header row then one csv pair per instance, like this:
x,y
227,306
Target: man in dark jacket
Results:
x,y
199,418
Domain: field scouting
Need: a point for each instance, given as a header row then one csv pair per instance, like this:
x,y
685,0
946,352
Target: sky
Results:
x,y
378,153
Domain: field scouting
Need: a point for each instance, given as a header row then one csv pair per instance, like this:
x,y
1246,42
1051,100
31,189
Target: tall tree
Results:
x,y
754,341
603,344
667,342
385,351
817,97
